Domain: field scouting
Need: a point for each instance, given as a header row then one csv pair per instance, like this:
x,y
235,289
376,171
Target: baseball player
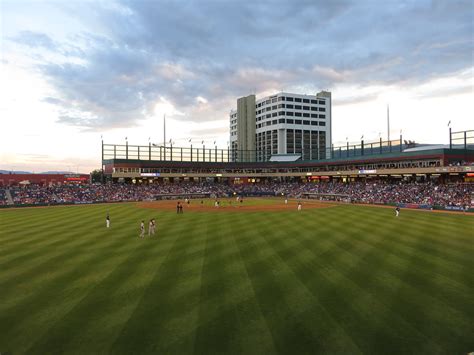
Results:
x,y
142,229
397,211
150,228
107,221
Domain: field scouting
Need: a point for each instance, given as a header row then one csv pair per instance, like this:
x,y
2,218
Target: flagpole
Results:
x,y
450,136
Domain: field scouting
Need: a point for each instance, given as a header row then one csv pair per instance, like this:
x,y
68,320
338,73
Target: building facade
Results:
x,y
284,124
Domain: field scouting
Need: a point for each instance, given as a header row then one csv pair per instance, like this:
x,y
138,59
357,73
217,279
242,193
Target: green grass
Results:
x,y
341,280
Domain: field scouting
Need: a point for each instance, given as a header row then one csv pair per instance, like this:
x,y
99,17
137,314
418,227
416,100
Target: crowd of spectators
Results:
x,y
382,192
372,191
3,197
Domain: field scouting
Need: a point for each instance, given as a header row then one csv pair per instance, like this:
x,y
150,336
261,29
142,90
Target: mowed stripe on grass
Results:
x,y
344,279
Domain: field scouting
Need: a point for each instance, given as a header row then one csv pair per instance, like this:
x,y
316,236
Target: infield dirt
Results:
x,y
233,206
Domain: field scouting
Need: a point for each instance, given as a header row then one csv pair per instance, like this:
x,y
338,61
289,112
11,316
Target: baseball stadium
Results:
x,y
217,251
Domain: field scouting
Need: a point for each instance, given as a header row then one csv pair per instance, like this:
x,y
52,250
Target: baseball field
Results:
x,y
260,278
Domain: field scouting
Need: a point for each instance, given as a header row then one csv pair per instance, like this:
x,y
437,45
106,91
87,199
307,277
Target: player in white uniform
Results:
x,y
107,221
142,229
150,228
299,206
397,211
286,201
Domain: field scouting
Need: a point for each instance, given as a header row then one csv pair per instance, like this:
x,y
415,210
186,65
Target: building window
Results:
x,y
274,114
281,98
274,100
289,121
268,115
305,107
289,99
281,113
297,107
321,102
297,121
281,106
298,114
314,109
314,123
289,106
274,107
322,109
274,121
305,114
306,101
289,113
297,99
267,102
313,115
322,123
268,109
314,101
322,116
281,120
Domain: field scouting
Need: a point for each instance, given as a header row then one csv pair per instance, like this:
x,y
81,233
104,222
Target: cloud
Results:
x,y
201,56
34,39
446,92
355,99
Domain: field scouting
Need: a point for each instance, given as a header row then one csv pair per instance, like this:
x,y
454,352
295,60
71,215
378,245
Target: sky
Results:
x,y
75,71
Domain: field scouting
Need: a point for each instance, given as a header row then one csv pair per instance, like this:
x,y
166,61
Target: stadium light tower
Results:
x,y
388,122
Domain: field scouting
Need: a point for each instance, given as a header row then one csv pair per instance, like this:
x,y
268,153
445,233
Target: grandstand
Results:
x,y
408,175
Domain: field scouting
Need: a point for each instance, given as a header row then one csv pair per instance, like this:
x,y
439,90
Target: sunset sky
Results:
x,y
73,71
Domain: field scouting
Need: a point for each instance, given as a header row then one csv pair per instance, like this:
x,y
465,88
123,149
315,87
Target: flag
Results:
x,y
449,123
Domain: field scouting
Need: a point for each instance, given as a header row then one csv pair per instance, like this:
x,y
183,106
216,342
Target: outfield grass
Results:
x,y
346,279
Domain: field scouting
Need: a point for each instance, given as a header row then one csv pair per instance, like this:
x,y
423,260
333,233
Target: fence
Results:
x,y
457,140
461,139
203,154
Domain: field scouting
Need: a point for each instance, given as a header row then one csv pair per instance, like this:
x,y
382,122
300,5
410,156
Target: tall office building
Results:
x,y
281,124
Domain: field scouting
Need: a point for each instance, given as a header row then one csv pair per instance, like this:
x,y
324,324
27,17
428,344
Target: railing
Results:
x,y
216,155
457,140
461,139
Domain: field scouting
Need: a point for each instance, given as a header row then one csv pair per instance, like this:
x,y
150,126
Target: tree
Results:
x,y
96,175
